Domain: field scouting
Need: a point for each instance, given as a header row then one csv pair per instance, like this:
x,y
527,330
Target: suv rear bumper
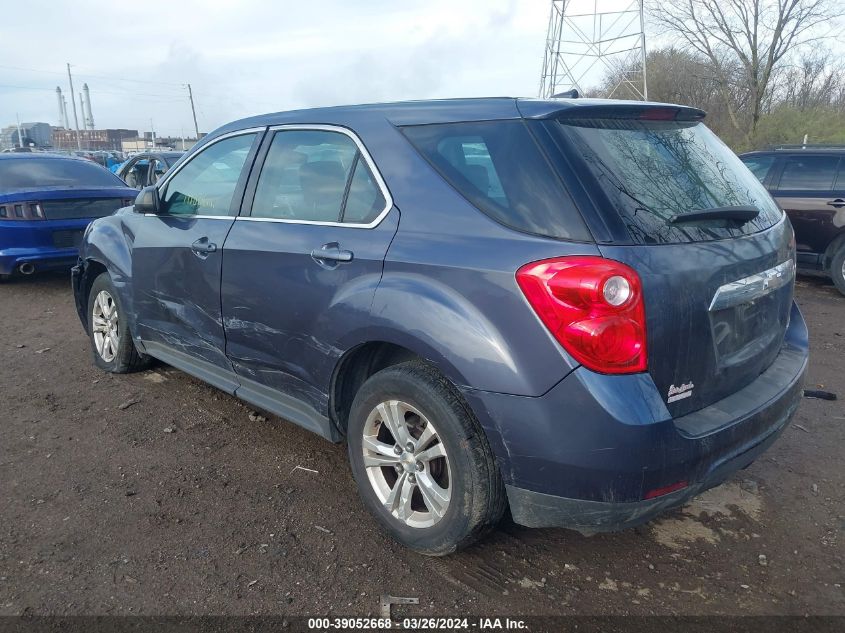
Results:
x,y
592,472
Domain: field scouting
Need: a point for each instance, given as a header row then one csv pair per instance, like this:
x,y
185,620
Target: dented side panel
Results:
x,y
287,316
176,292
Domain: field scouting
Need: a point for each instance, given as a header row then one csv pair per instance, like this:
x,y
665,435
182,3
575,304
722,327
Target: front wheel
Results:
x,y
422,463
111,342
837,269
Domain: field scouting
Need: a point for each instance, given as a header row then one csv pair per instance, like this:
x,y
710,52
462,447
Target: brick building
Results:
x,y
92,139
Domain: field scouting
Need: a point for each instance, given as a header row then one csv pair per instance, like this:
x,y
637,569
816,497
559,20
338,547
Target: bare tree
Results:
x,y
816,79
751,35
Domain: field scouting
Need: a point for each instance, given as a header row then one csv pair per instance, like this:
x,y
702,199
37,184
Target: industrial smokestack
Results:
x,y
61,110
86,112
64,111
82,111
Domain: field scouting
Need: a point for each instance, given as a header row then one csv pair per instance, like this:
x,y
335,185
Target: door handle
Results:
x,y
331,252
203,248
837,204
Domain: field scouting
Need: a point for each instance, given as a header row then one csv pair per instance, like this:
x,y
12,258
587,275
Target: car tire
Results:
x,y
111,342
439,492
4,278
837,269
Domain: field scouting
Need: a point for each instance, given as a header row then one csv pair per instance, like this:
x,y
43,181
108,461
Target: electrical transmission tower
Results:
x,y
587,37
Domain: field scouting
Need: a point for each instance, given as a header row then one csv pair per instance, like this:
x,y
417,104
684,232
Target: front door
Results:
x,y
177,255
301,268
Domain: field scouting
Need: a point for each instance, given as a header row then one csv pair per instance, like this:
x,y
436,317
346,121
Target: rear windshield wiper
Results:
x,y
738,214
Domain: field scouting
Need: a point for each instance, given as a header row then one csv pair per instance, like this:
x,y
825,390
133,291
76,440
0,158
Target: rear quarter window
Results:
x,y
760,166
499,168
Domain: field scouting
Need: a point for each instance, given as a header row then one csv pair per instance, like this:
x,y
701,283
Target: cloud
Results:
x,y
247,57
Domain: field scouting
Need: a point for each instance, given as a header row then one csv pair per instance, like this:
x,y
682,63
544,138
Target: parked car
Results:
x,y
46,201
146,169
582,309
809,183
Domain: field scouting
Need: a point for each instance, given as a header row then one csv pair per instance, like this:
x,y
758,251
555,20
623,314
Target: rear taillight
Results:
x,y
593,307
22,211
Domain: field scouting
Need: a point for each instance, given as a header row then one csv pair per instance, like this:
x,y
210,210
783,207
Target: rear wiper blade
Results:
x,y
738,214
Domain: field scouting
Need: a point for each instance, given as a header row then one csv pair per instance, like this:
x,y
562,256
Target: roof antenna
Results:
x,y
569,94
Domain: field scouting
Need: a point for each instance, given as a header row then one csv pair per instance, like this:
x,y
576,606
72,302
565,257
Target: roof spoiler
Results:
x,y
644,112
589,109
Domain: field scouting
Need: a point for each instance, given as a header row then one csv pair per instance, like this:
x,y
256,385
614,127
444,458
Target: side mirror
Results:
x,y
147,200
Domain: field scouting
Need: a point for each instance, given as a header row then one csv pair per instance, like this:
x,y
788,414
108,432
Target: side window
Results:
x,y
498,167
760,166
470,156
316,176
364,201
207,183
807,173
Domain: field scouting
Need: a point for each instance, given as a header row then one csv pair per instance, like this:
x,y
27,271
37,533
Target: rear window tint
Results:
x,y
497,166
652,171
54,172
807,173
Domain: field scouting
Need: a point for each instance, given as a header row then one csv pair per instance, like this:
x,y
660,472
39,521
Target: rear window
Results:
x,y
497,166
654,170
54,172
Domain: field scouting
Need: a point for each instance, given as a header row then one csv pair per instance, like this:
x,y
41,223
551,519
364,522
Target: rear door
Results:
x,y
177,255
718,292
302,262
807,189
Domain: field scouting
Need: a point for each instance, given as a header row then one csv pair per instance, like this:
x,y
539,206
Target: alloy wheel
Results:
x,y
406,464
104,323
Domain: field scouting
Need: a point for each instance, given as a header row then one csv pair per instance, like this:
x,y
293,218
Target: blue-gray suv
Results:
x,y
578,309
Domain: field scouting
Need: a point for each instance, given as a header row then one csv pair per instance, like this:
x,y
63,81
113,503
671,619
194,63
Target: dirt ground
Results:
x,y
179,503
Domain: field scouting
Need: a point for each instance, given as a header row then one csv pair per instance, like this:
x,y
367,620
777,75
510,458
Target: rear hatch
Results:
x,y
718,288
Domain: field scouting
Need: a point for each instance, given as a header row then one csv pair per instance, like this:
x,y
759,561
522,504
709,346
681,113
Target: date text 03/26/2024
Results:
x,y
412,624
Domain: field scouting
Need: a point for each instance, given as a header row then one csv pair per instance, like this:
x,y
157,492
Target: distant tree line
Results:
x,y
759,68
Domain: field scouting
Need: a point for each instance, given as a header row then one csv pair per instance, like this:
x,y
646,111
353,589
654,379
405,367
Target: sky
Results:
x,y
249,57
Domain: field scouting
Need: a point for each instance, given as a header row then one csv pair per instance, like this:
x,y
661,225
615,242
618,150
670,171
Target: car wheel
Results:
x,y
422,463
111,342
4,278
837,269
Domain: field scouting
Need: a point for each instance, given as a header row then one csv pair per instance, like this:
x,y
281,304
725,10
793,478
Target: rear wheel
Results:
x,y
111,342
423,466
837,269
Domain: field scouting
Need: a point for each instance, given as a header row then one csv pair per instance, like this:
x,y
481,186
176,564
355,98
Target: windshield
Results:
x,y
654,170
54,172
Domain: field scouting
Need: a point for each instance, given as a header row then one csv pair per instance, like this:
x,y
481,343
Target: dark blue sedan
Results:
x,y
46,201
